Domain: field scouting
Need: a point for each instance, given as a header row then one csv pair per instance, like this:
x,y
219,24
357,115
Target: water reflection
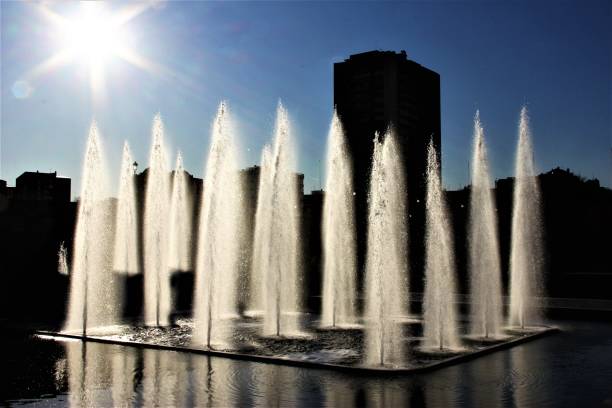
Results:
x,y
215,382
278,386
340,394
105,375
530,377
165,379
485,374
443,390
383,394
89,373
124,369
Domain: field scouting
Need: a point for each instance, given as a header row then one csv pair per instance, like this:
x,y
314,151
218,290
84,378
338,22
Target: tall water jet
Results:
x,y
386,291
339,265
261,235
62,260
440,315
180,220
93,293
526,254
280,261
484,258
126,219
156,218
217,268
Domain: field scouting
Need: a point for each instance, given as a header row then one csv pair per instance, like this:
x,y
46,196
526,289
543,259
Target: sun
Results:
x,y
93,36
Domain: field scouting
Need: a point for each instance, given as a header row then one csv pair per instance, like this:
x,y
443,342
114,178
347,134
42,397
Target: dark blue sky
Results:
x,y
555,56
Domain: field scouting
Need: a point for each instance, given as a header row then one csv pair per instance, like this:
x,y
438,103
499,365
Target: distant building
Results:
x,y
250,185
311,245
249,179
5,195
36,217
299,179
576,222
194,184
36,186
372,91
35,190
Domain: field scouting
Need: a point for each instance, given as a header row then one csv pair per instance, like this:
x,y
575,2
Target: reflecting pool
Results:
x,y
570,368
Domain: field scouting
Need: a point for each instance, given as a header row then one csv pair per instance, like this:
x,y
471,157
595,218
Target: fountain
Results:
x,y
439,309
179,256
526,254
62,260
339,265
386,290
156,219
278,226
93,291
217,268
274,329
126,219
484,262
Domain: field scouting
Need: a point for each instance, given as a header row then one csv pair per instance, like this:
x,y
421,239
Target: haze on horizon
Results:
x,y
182,59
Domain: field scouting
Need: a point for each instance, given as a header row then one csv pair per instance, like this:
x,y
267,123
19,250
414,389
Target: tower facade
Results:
x,y
375,90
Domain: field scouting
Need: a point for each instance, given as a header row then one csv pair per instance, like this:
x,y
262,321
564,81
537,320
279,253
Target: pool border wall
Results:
x,y
356,369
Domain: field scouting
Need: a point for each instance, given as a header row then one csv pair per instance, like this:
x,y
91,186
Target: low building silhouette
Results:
x,y
250,179
42,187
36,216
6,195
182,282
577,221
576,217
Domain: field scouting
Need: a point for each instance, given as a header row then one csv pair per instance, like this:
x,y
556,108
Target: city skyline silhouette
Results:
x,y
554,59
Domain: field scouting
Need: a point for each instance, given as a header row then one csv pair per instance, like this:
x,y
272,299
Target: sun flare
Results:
x,y
93,36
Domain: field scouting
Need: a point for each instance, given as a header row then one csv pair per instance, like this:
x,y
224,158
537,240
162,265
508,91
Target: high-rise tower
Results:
x,y
372,91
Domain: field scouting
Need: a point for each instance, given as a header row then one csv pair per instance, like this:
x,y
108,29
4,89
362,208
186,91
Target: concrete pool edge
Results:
x,y
356,369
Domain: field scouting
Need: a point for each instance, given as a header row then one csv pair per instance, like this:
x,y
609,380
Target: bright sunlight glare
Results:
x,y
92,36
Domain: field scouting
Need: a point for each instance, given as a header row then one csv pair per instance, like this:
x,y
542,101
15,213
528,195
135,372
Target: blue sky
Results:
x,y
494,56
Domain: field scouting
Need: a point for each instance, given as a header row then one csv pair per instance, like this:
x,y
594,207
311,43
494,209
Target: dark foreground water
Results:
x,y
572,368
